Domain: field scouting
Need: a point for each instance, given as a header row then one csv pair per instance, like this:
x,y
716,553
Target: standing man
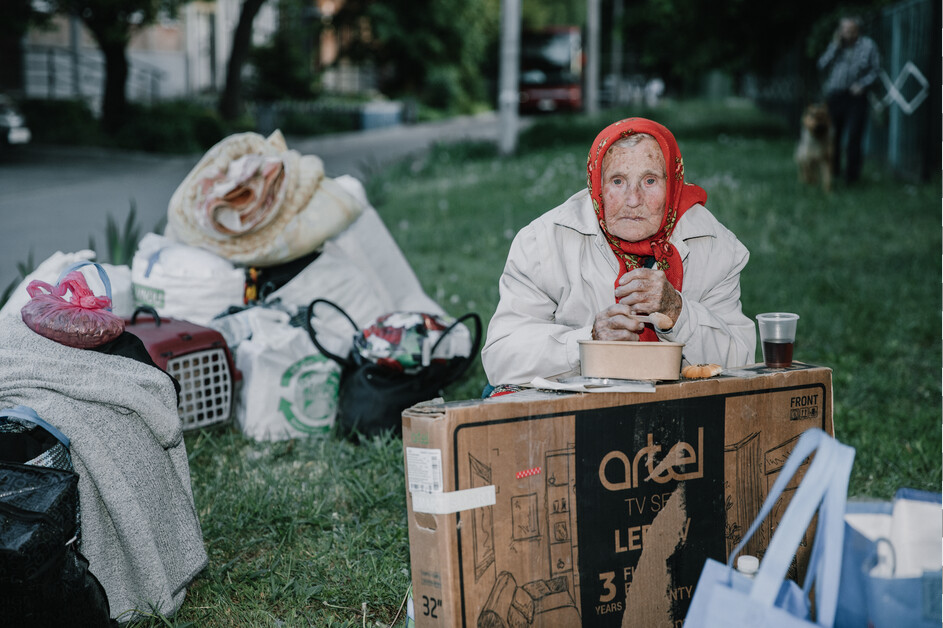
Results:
x,y
851,63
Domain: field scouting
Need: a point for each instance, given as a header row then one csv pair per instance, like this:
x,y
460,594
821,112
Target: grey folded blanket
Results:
x,y
140,530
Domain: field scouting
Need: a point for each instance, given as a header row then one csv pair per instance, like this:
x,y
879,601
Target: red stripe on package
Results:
x,y
526,473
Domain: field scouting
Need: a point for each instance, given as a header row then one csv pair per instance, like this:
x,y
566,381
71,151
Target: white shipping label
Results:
x,y
453,501
424,469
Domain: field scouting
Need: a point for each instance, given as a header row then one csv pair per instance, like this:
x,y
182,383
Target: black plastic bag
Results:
x,y
372,396
25,438
44,580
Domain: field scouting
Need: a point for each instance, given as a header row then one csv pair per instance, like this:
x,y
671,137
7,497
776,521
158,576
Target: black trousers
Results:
x,y
849,114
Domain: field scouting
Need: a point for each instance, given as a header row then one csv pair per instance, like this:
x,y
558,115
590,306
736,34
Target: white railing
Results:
x,y
59,73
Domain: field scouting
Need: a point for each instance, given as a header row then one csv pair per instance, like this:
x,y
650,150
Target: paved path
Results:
x,y
55,198
360,154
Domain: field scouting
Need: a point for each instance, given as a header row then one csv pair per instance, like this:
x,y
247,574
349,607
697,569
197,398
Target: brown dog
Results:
x,y
816,143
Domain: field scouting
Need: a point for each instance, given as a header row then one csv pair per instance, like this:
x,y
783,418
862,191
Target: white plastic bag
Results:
x,y
122,301
122,296
182,281
289,389
362,270
47,271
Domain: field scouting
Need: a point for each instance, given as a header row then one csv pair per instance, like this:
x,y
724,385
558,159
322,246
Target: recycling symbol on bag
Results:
x,y
308,399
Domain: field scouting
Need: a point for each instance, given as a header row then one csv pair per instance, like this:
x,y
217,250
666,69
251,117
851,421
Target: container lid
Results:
x,y
748,565
630,343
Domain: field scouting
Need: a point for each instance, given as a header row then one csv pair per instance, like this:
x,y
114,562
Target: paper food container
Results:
x,y
630,360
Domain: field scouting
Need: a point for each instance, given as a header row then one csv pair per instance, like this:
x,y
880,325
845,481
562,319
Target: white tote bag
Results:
x,y
289,389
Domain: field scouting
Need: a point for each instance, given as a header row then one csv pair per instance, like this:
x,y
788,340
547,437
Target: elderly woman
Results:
x,y
638,241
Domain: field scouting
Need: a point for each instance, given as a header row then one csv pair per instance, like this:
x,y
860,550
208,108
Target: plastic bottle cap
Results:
x,y
748,565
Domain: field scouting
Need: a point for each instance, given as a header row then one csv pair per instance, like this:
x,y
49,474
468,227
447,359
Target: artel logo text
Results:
x,y
675,465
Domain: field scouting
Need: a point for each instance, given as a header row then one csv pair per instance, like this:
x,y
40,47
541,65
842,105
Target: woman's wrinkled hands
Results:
x,y
646,291
640,291
616,323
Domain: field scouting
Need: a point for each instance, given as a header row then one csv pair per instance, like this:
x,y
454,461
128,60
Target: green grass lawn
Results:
x,y
313,532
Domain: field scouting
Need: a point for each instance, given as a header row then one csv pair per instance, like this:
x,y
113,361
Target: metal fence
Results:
x,y
904,132
53,73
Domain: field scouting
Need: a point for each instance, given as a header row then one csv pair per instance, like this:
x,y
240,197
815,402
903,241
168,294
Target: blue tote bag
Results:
x,y
727,598
891,565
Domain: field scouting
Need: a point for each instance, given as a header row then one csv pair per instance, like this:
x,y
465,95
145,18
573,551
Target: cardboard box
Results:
x,y
596,509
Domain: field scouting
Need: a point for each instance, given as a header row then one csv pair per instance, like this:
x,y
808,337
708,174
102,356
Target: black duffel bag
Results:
x,y
44,580
373,395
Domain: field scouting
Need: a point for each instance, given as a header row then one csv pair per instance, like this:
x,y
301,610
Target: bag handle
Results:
x,y
146,309
829,499
25,413
309,313
823,488
829,540
793,525
348,362
101,273
462,366
808,442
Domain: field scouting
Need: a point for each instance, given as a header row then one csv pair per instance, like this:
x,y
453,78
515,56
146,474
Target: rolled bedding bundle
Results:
x,y
255,202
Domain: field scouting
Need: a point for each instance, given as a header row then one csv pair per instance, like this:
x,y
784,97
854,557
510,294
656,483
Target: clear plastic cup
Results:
x,y
778,337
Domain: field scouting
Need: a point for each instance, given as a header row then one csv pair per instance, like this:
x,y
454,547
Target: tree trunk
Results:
x,y
11,70
230,103
114,100
112,39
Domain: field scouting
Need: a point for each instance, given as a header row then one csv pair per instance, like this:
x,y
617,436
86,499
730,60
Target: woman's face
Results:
x,y
634,190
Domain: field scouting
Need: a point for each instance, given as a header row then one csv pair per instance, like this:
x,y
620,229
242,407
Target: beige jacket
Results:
x,y
560,272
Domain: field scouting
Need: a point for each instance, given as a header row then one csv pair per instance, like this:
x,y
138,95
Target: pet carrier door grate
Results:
x,y
205,387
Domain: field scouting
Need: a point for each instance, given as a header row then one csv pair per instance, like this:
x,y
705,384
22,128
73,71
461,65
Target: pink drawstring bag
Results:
x,y
82,321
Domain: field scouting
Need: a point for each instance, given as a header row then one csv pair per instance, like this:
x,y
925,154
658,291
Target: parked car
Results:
x,y
551,76
13,129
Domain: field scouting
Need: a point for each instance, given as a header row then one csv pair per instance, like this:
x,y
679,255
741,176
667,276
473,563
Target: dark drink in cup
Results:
x,y
777,333
777,353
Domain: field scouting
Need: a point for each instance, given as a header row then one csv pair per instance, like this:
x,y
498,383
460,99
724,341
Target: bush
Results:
x,y
62,122
316,123
443,88
171,127
307,117
168,127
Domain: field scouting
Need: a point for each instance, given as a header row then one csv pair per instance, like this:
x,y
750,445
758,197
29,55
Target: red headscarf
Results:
x,y
679,197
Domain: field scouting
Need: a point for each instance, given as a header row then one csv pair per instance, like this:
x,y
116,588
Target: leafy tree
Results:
x,y
112,23
284,66
536,15
433,50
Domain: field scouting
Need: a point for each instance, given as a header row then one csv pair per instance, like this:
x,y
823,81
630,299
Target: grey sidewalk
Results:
x,y
360,153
